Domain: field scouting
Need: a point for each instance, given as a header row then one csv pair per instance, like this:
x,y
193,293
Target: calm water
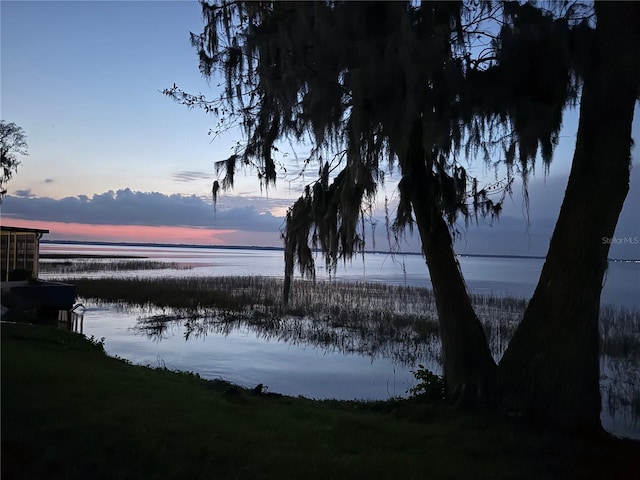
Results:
x,y
500,276
248,358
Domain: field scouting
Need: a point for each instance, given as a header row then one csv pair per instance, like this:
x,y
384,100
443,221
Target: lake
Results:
x,y
497,275
248,357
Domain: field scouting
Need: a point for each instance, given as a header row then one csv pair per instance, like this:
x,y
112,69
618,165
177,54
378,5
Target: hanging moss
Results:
x,y
356,77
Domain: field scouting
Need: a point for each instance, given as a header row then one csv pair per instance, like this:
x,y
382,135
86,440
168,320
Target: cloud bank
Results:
x,y
127,207
243,220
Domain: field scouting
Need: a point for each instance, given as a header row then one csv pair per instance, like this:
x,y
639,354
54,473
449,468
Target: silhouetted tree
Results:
x,y
551,370
13,141
376,83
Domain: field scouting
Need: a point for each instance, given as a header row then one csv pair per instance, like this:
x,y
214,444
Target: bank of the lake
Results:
x,y
133,307
69,411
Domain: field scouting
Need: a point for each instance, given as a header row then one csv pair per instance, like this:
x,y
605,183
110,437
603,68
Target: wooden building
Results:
x,y
20,251
20,289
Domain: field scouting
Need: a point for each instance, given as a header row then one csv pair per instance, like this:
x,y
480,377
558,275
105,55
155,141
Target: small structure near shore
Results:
x,y
21,289
20,249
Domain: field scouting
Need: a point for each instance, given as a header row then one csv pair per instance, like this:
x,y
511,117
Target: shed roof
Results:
x,y
5,228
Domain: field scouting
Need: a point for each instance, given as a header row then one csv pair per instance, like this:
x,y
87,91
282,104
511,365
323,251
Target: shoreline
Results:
x,y
127,421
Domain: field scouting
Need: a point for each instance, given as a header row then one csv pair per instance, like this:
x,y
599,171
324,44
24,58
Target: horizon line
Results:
x,y
258,247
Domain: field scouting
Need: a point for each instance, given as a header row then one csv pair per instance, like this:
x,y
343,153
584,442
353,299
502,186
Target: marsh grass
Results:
x,y
86,265
620,332
351,314
369,319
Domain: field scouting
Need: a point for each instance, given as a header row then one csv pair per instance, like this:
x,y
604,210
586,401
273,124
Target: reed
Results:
x,y
84,265
401,314
620,331
371,319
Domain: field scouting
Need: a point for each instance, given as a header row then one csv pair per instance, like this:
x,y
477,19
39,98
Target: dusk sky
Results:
x,y
112,159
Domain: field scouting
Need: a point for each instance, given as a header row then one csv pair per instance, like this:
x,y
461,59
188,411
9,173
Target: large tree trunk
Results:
x,y
550,371
469,368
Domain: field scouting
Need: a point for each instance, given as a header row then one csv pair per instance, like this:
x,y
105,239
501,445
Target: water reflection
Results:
x,y
407,344
407,341
394,333
620,389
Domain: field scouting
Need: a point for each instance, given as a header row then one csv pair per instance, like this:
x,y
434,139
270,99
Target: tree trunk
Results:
x,y
288,274
469,368
550,371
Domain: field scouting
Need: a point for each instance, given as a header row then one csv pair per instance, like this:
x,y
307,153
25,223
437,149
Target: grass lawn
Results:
x,y
69,411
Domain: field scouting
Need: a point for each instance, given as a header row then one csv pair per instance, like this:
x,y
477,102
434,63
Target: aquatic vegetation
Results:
x,y
322,313
620,332
85,265
369,319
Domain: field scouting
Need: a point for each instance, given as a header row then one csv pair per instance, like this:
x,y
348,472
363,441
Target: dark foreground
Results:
x,y
70,411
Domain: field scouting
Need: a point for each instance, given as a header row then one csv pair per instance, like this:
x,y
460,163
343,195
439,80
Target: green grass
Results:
x,y
69,411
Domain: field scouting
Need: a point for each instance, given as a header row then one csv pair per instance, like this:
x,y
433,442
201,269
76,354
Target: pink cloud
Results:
x,y
129,233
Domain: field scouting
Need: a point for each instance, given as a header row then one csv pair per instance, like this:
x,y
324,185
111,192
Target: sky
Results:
x,y
112,159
